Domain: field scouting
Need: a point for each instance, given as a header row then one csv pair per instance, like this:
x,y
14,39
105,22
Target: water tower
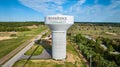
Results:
x,y
59,25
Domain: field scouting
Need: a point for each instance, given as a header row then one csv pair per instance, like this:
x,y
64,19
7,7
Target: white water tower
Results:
x,y
59,25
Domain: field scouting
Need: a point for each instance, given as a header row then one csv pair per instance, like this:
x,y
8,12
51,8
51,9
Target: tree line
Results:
x,y
100,56
98,24
17,26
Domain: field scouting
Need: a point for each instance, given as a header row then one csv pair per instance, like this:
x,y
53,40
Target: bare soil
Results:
x,y
111,33
6,34
70,58
33,26
6,37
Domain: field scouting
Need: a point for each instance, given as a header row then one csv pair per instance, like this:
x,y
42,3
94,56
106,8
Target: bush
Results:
x,y
13,35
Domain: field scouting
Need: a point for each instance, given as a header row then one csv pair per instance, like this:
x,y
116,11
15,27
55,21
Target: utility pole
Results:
x,y
90,60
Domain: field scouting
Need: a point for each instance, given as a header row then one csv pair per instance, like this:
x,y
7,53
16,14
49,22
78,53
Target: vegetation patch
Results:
x,y
21,37
43,63
72,60
71,49
35,50
7,46
100,57
96,30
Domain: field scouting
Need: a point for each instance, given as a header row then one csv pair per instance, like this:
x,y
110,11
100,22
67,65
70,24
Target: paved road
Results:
x,y
12,53
44,55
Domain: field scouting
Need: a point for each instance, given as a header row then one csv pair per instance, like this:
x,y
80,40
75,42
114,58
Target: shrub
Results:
x,y
13,35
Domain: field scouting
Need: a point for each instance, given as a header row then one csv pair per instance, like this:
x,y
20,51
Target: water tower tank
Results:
x,y
59,25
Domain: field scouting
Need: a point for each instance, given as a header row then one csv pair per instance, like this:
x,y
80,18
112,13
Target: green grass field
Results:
x,y
71,50
36,49
39,63
73,61
6,46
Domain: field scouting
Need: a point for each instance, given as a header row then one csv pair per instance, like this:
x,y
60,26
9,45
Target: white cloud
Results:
x,y
44,6
59,2
98,12
95,12
48,6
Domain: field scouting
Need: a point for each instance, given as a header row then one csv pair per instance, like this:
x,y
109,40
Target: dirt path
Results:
x,y
70,58
80,54
6,37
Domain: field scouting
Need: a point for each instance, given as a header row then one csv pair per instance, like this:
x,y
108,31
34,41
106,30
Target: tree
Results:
x,y
110,48
98,41
13,35
91,43
117,59
106,41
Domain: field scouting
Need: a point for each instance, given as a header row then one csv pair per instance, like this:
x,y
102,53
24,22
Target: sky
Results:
x,y
82,10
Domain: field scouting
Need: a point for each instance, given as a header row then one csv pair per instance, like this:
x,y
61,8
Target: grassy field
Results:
x,y
7,46
72,60
46,34
44,63
35,50
78,59
96,30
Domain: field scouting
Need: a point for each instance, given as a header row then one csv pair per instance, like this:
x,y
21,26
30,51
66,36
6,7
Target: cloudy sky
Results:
x,y
82,10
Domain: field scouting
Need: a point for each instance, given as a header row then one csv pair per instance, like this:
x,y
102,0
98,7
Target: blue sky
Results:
x,y
82,10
